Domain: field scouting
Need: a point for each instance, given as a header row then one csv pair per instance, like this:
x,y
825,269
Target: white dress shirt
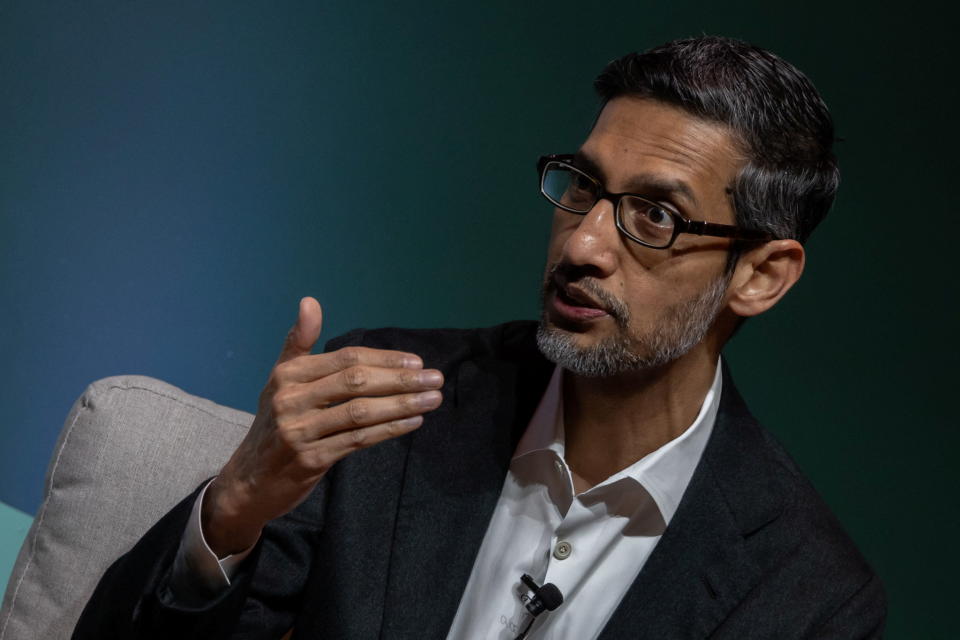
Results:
x,y
590,545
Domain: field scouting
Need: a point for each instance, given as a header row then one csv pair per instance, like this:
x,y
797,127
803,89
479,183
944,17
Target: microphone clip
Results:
x,y
545,598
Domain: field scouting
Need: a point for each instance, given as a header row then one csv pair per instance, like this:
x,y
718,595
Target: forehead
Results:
x,y
636,137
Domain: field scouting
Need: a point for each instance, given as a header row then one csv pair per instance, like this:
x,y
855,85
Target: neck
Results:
x,y
610,423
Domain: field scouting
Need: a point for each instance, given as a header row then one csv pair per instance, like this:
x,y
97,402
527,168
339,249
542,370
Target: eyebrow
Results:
x,y
644,184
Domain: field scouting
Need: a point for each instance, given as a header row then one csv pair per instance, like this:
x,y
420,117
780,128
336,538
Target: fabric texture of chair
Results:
x,y
131,448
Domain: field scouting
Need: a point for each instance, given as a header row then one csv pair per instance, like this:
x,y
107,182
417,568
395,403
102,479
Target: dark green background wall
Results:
x,y
175,175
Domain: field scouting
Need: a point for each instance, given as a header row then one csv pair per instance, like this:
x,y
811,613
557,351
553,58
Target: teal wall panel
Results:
x,y
174,176
14,525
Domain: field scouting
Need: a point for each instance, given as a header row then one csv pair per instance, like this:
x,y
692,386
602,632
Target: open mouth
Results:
x,y
575,297
573,302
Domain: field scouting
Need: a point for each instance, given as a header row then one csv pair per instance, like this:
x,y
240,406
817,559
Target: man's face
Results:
x,y
610,304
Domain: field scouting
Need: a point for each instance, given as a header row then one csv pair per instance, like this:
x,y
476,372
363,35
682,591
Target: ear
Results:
x,y
764,275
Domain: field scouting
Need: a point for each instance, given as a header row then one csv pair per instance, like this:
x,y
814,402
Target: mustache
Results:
x,y
561,274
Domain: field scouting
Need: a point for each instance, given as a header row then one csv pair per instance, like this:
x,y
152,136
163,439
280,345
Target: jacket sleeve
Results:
x,y
133,599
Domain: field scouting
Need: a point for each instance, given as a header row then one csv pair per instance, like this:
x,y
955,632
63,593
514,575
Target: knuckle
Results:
x,y
393,429
282,372
358,438
357,411
355,378
283,423
407,379
280,402
348,357
289,435
407,403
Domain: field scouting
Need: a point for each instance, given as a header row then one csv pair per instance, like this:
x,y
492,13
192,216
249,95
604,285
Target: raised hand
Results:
x,y
314,410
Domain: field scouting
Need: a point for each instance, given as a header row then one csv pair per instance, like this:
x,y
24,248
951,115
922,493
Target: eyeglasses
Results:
x,y
643,221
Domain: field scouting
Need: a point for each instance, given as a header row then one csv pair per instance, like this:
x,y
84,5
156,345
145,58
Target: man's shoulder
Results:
x,y
807,530
513,340
795,540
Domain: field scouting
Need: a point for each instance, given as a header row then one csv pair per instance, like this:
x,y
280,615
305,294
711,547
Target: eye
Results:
x,y
580,182
656,215
652,214
647,221
565,186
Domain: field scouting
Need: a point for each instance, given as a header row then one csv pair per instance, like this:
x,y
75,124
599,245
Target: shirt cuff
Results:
x,y
198,574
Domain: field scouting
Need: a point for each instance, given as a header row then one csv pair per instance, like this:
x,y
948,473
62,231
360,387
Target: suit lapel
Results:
x,y
701,567
455,472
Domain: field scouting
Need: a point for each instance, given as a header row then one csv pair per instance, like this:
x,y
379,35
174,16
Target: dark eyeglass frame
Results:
x,y
680,224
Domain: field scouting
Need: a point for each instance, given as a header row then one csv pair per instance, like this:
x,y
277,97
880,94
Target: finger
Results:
x,y
342,444
351,383
305,332
366,412
356,382
314,367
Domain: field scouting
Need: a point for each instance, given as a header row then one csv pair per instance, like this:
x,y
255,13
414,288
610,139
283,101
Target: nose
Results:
x,y
594,243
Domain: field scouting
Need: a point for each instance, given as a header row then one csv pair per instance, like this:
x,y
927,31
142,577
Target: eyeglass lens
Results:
x,y
575,191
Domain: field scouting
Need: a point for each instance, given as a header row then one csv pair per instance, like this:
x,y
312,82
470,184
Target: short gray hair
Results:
x,y
773,110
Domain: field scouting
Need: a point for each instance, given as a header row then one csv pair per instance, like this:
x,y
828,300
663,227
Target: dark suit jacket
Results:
x,y
384,546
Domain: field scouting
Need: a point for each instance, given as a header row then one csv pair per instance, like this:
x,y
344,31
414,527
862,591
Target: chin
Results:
x,y
596,349
587,356
617,352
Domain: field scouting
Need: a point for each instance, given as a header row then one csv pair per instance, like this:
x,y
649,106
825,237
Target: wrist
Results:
x,y
227,528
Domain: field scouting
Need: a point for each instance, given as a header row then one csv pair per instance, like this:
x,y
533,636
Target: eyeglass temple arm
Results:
x,y
724,231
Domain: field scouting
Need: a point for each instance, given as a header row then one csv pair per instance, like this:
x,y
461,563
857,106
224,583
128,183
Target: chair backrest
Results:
x,y
131,448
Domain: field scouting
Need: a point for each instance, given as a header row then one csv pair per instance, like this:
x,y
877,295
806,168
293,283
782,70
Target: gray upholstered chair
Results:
x,y
131,448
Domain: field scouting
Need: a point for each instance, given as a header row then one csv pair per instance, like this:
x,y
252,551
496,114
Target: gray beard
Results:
x,y
681,327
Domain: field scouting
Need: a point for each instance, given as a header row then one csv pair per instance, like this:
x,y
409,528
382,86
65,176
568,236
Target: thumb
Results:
x,y
305,332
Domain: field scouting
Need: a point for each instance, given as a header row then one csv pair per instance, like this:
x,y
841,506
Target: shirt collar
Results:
x,y
545,429
664,473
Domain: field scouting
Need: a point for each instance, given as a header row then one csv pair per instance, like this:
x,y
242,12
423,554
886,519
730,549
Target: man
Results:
x,y
374,497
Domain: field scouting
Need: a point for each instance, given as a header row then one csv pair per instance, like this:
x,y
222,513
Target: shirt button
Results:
x,y
563,550
558,466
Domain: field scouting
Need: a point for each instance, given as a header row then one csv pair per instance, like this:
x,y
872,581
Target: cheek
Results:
x,y
639,289
688,266
643,302
649,291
